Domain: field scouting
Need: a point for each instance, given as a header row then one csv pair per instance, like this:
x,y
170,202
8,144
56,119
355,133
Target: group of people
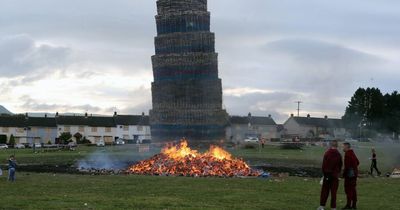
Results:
x,y
12,165
332,169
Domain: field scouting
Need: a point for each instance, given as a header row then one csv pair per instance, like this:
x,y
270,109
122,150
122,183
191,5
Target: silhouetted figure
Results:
x,y
350,175
374,164
12,165
331,167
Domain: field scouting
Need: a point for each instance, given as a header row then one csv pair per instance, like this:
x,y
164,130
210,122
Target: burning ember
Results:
x,y
180,160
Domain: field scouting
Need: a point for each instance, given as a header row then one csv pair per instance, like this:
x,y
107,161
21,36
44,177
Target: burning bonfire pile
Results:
x,y
180,160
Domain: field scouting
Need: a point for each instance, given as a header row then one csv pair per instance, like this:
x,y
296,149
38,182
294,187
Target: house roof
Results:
x,y
132,120
101,122
42,122
13,121
319,122
253,120
22,121
93,121
72,120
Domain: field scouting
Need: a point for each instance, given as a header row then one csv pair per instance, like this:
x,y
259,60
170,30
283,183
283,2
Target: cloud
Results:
x,y
34,106
241,101
20,55
318,66
315,51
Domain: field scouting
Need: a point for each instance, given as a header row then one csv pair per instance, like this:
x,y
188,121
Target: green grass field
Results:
x,y
311,156
55,191
62,191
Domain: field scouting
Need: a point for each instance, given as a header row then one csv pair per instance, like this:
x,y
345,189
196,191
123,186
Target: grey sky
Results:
x,y
70,55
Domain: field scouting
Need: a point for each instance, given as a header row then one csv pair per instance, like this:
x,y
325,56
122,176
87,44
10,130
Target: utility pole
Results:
x,y
298,107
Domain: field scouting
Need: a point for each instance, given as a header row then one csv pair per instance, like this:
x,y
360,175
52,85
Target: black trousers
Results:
x,y
374,165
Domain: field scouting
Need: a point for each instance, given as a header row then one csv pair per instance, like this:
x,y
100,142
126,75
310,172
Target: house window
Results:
x,y
126,136
20,130
67,128
81,129
5,130
140,128
126,128
94,129
108,129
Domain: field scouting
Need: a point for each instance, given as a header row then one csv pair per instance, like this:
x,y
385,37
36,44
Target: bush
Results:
x,y
65,138
12,140
3,139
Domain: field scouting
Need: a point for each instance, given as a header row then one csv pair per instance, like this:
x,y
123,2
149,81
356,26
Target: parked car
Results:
x,y
120,142
252,140
72,144
351,140
101,144
19,146
37,145
146,141
3,146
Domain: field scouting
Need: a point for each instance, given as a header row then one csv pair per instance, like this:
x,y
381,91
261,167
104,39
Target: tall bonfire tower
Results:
x,y
187,93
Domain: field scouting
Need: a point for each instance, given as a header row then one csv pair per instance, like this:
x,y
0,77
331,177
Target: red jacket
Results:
x,y
350,162
332,163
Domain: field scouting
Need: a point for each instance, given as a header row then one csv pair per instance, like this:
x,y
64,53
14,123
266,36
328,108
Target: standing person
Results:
x,y
263,143
350,175
374,164
11,168
331,167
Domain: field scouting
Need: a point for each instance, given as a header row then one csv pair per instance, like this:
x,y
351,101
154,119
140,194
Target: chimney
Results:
x,y
143,114
115,114
86,115
56,114
45,115
326,117
308,116
26,115
270,116
291,115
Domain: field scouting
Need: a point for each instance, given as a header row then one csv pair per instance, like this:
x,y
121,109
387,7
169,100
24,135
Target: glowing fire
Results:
x,y
181,160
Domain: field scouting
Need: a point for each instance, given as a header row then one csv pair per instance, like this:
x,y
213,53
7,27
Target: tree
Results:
x,y
3,139
78,138
392,113
65,138
373,112
12,140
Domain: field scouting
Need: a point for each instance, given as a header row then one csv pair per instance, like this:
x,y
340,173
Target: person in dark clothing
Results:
x,y
12,165
350,175
374,164
331,168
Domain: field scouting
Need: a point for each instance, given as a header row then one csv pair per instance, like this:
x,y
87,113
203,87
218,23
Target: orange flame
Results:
x,y
181,160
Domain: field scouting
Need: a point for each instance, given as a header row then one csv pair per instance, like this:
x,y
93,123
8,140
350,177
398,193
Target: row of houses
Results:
x,y
307,127
136,128
26,129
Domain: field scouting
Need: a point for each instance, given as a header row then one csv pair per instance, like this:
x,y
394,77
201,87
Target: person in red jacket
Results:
x,y
350,175
331,167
